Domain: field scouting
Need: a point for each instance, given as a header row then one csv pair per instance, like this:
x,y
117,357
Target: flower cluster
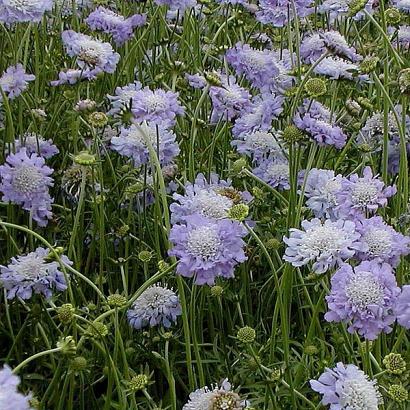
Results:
x,y
10,397
14,81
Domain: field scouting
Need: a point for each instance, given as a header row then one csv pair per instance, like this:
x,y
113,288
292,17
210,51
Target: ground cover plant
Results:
x,y
204,204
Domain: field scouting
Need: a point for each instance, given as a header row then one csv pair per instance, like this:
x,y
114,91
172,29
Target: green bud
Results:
x,y
394,363
369,64
315,87
168,335
216,291
272,244
213,79
66,313
392,16
116,300
398,393
138,382
311,350
239,165
292,134
246,335
67,346
85,158
365,103
78,364
355,6
145,256
404,81
163,266
98,119
238,212
97,329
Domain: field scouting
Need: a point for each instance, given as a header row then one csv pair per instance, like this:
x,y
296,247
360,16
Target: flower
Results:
x,y
402,308
364,297
177,5
326,243
72,76
217,398
123,98
157,305
320,189
207,248
346,387
316,120
337,8
33,273
10,397
157,106
257,144
403,36
25,180
381,242
65,7
14,81
337,68
212,199
360,195
35,143
132,142
21,11
274,170
402,5
119,27
92,56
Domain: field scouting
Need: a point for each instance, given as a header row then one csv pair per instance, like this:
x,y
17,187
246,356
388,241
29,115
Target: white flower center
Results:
x,y
211,204
154,297
27,179
379,242
91,52
278,171
360,394
155,102
203,242
32,268
364,193
323,239
330,188
364,290
138,136
262,141
254,59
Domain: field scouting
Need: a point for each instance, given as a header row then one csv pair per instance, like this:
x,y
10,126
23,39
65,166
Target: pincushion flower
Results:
x,y
339,8
257,144
403,36
381,242
362,195
36,144
346,387
177,5
91,55
207,249
274,170
363,297
33,273
72,76
402,307
133,143
10,397
402,5
121,28
25,181
156,306
123,98
14,81
22,11
337,68
326,244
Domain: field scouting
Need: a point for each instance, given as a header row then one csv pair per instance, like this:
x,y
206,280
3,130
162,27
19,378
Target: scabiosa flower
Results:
x,y
33,273
402,5
381,242
123,98
207,248
10,397
316,120
211,199
317,44
132,142
25,181
119,27
326,243
280,12
217,398
14,81
402,308
177,5
67,7
364,297
337,8
17,11
337,68
360,195
320,189
35,143
258,144
157,305
258,115
158,107
197,81
274,170
346,387
403,36
72,76
91,54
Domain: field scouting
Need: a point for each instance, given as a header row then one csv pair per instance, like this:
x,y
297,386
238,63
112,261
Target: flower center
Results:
x,y
331,187
224,400
379,242
91,52
359,395
262,141
203,242
323,239
254,59
27,179
137,136
363,290
155,102
212,205
278,171
32,268
364,193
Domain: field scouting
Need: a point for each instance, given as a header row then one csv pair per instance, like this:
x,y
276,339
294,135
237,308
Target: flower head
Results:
x,y
280,12
14,80
177,5
157,305
123,98
274,170
33,273
337,68
36,144
402,308
25,180
257,144
21,11
10,397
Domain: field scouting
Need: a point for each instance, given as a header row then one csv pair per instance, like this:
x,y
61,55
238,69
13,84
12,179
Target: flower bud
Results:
x,y
246,335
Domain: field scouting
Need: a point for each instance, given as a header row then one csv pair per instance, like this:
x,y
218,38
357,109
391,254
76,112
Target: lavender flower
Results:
x,y
157,305
316,120
274,170
337,68
257,144
402,5
35,143
402,308
207,248
364,297
33,273
326,243
120,28
381,242
14,81
158,107
403,36
197,81
92,55
280,12
132,142
177,5
15,11
72,76
10,397
25,181
123,98
338,8
65,7
360,195
346,387
320,189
